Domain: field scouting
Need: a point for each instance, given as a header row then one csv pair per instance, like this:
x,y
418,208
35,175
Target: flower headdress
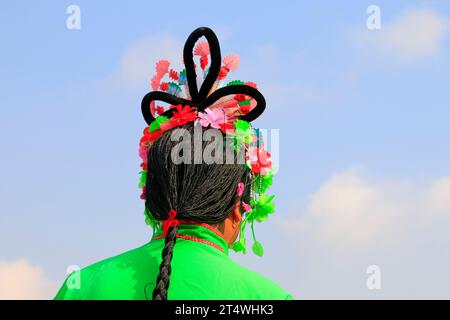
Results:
x,y
226,106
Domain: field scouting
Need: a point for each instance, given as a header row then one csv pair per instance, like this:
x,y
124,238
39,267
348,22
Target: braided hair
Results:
x,y
202,192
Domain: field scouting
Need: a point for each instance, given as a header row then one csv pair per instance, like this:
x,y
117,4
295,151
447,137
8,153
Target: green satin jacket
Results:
x,y
201,269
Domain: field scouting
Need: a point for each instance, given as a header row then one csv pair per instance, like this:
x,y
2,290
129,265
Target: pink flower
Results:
x,y
259,160
247,207
213,118
240,189
143,152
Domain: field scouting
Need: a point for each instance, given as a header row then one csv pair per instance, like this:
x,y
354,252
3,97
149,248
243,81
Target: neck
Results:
x,y
218,228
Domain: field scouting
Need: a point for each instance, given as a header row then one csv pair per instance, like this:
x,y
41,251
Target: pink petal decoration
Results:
x,y
223,72
143,152
251,84
212,117
155,82
202,49
222,102
203,62
240,189
246,206
203,121
231,62
162,67
231,104
152,107
253,104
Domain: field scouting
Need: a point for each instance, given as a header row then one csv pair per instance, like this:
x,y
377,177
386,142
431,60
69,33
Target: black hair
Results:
x,y
199,191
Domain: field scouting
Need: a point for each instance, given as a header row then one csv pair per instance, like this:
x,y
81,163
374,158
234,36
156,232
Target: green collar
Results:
x,y
198,232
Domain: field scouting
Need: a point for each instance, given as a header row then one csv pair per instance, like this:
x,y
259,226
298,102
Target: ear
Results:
x,y
236,214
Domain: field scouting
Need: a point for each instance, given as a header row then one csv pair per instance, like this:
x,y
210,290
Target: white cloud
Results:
x,y
21,280
415,34
137,63
439,196
353,221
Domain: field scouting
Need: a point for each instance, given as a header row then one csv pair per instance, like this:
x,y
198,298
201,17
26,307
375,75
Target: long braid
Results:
x,y
163,280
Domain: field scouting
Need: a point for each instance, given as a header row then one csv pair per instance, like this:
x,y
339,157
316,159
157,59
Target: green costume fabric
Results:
x,y
199,271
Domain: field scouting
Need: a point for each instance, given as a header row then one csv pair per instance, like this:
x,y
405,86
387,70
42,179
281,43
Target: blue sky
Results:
x,y
364,135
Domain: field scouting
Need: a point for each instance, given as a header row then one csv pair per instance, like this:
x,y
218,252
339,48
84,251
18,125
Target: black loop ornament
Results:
x,y
199,98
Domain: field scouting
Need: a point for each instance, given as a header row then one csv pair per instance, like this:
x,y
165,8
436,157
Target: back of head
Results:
x,y
201,187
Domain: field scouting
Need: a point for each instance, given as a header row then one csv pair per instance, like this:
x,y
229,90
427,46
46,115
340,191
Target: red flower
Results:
x,y
227,127
150,136
173,74
240,97
183,115
164,86
231,104
159,110
223,73
203,62
245,109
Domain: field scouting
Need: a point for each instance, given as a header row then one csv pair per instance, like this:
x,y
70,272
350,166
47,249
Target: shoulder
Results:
x,y
257,285
102,279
